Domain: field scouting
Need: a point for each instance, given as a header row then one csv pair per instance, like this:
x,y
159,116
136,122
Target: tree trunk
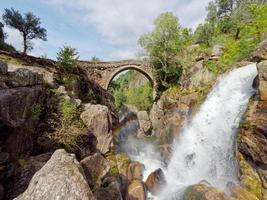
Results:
x,y
25,44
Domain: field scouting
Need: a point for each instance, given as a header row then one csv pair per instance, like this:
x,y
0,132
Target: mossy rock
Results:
x,y
118,163
249,179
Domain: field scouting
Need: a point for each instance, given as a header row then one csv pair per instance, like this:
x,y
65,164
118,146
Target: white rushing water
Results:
x,y
205,149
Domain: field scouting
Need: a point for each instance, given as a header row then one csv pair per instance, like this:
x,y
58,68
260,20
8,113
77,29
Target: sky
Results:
x,y
107,29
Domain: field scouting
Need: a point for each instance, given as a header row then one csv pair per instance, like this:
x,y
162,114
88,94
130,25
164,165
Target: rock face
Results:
x,y
144,124
21,93
60,178
205,192
155,182
98,120
261,52
217,51
252,143
95,167
135,171
262,69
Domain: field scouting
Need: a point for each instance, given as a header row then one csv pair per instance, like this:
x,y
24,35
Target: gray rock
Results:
x,y
261,52
144,124
217,51
24,77
60,178
3,68
95,167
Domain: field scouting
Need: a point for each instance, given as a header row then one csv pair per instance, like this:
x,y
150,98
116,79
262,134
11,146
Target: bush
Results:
x,y
7,47
66,57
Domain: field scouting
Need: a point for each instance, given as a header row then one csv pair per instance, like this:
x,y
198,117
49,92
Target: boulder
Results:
x,y
110,190
217,50
155,182
97,119
61,177
137,190
23,175
145,125
135,171
239,193
262,70
24,77
3,68
205,192
95,167
261,52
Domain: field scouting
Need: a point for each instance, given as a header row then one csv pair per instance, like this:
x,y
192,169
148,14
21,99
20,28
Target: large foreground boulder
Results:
x,y
262,69
61,178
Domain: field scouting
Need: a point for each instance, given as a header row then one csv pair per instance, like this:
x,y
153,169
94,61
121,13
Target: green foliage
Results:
x,y
211,65
204,33
95,59
120,98
36,111
2,34
67,57
125,91
29,25
162,45
140,97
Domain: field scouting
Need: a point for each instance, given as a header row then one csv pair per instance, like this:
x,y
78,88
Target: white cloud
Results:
x,y
120,22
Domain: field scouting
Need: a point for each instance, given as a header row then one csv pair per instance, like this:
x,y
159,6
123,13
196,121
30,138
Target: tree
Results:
x,y
225,7
204,33
2,34
212,13
66,57
28,25
163,45
95,59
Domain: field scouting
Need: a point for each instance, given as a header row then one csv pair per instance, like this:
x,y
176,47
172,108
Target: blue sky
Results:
x,y
107,29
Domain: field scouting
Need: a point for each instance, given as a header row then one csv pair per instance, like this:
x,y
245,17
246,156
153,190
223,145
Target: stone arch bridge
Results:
x,y
104,72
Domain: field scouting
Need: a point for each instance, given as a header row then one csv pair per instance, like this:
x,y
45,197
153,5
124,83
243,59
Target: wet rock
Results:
x,y
262,70
249,179
95,167
2,192
205,192
60,178
110,190
24,77
137,190
239,193
144,124
3,68
135,171
261,52
155,182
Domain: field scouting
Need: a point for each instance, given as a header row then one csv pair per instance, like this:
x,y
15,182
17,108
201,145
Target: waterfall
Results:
x,y
205,149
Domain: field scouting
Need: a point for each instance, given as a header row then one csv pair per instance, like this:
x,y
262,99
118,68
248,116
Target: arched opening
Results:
x,y
131,87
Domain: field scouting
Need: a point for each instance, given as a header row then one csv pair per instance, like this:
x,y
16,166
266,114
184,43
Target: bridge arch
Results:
x,y
140,69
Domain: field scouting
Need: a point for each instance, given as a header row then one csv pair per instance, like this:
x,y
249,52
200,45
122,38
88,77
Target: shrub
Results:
x,y
66,57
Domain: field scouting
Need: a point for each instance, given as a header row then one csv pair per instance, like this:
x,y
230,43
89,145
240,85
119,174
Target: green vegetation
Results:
x,y
66,61
4,46
238,26
28,25
95,59
163,45
127,90
36,111
69,128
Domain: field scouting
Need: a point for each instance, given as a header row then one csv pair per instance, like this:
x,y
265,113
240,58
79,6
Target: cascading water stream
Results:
x,y
205,149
